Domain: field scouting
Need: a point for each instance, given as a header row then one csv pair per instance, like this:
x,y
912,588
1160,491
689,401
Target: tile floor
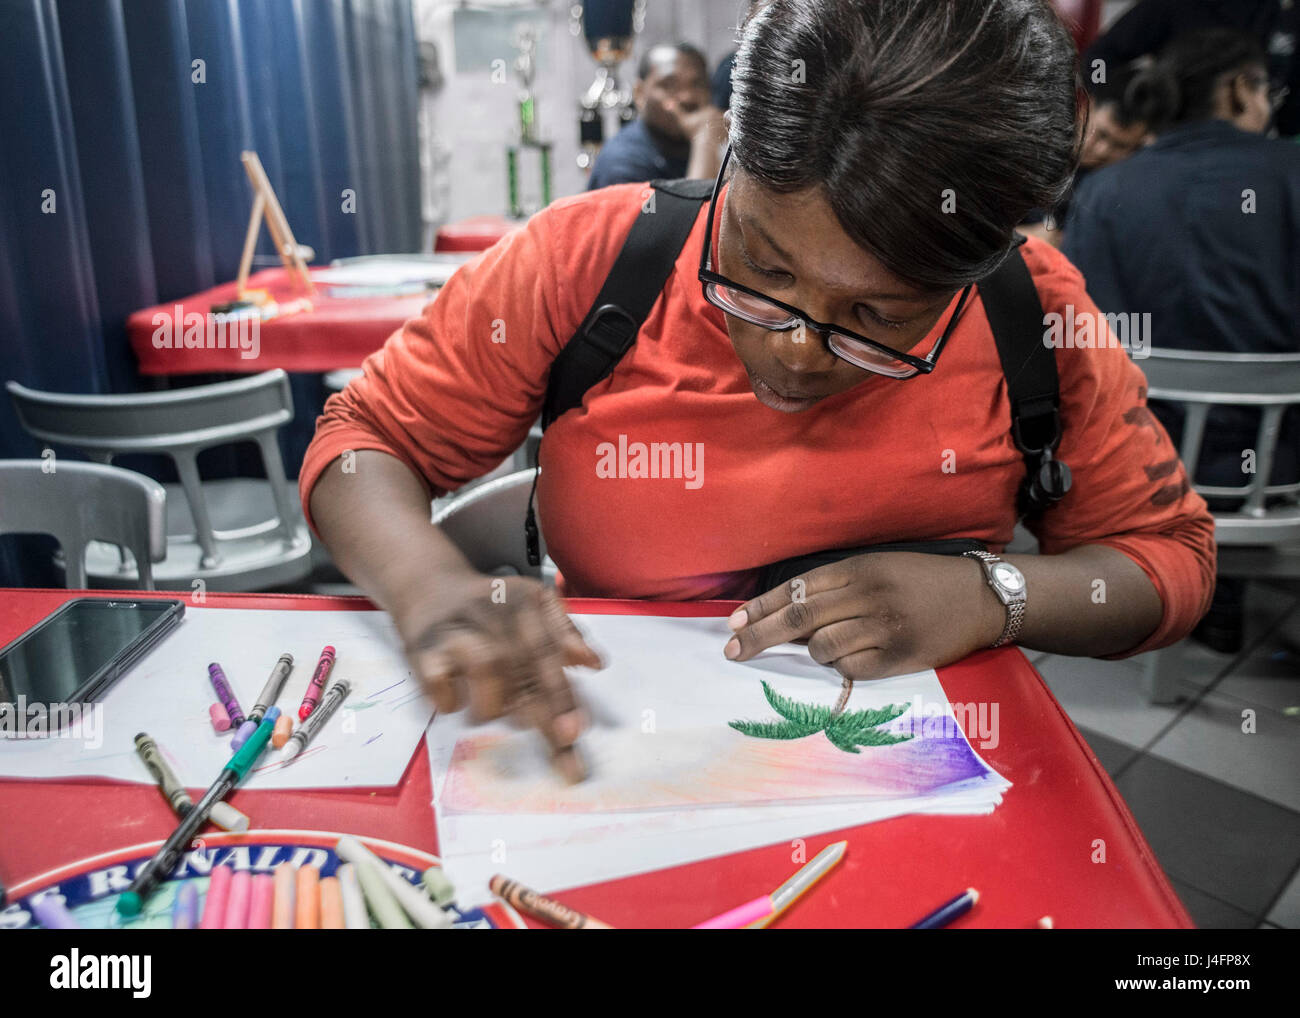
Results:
x,y
1219,804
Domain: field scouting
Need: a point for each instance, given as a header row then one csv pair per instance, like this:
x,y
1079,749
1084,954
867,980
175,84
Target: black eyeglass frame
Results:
x,y
923,365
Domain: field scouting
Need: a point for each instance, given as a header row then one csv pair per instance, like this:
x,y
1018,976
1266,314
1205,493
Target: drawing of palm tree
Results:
x,y
846,731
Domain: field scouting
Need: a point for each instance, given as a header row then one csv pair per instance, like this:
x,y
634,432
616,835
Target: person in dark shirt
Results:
x,y
1151,24
1200,230
678,131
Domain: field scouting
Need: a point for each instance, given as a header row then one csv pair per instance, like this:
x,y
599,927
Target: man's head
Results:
x,y
1213,74
670,77
1114,131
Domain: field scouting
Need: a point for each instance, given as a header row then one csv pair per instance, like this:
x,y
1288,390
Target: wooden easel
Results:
x,y
267,206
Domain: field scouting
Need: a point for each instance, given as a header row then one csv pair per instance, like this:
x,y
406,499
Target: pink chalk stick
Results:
x,y
740,916
263,897
214,905
241,887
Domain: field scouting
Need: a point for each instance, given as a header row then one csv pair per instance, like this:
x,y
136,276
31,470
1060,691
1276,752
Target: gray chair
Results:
x,y
1261,537
486,523
235,534
83,502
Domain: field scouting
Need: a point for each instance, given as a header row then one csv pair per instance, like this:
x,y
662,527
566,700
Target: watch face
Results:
x,y
1008,577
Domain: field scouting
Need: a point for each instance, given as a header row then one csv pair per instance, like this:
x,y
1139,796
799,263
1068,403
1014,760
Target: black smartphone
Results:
x,y
75,654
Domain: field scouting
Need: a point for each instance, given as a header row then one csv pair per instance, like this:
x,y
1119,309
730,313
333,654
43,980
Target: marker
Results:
x,y
214,907
317,683
307,731
422,911
226,695
156,869
354,903
52,913
223,814
265,699
757,914
307,912
331,905
237,904
283,729
945,914
542,908
185,909
282,909
261,902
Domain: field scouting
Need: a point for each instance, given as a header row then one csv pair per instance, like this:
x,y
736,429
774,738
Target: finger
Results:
x,y
821,580
577,651
866,664
482,673
797,620
840,639
437,673
561,719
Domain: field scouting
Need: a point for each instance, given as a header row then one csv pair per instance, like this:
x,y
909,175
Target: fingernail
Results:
x,y
732,649
737,619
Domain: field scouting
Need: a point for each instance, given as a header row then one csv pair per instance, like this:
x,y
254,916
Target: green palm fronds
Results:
x,y
845,731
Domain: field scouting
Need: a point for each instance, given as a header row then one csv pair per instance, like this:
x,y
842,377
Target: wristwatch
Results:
x,y
1008,583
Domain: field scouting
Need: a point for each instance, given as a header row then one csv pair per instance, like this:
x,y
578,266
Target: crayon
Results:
x,y
282,909
131,901
354,902
220,719
51,912
261,902
331,905
317,684
542,908
265,699
238,901
185,909
308,730
307,913
422,911
222,814
946,913
214,907
168,783
283,729
226,695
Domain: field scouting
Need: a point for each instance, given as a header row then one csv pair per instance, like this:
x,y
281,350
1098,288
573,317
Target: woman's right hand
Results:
x,y
500,646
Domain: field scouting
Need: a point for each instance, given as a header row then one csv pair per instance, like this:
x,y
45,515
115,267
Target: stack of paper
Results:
x,y
692,756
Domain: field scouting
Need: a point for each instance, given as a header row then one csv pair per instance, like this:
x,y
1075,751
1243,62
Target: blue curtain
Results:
x,y
120,180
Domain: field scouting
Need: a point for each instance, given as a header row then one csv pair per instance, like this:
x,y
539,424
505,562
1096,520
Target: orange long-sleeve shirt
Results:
x,y
929,458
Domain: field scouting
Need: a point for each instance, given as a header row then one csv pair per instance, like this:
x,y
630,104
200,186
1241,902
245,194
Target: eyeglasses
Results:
x,y
759,309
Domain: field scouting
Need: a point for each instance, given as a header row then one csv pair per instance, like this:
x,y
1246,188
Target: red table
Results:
x,y
1033,856
339,332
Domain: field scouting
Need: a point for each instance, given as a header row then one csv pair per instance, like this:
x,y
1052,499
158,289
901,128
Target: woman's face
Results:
x,y
791,247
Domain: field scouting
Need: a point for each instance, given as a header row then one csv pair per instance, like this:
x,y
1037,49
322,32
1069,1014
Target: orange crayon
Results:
x,y
543,908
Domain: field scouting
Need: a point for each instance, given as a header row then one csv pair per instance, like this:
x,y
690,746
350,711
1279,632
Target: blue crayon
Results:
x,y
945,914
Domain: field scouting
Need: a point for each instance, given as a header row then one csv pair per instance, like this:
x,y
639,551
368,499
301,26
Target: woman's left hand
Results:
x,y
875,615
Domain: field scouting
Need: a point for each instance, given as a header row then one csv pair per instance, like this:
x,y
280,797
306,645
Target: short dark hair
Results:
x,y
644,68
1114,91
888,104
1180,86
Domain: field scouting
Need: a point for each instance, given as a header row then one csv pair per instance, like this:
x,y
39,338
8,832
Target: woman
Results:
x,y
883,153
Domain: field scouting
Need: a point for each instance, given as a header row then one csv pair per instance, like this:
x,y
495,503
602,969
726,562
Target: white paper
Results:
x,y
391,272
368,741
671,781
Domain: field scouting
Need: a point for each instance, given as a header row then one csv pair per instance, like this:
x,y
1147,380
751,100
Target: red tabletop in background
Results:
x,y
339,332
1033,856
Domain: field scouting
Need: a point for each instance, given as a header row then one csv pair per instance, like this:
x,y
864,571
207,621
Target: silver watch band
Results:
x,y
1015,609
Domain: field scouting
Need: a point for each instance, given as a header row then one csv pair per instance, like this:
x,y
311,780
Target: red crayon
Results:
x,y
317,684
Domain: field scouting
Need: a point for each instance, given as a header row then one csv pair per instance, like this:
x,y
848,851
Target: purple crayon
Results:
x,y
312,697
51,912
226,695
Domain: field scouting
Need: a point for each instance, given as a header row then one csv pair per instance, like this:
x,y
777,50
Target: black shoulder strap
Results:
x,y
629,292
1015,314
